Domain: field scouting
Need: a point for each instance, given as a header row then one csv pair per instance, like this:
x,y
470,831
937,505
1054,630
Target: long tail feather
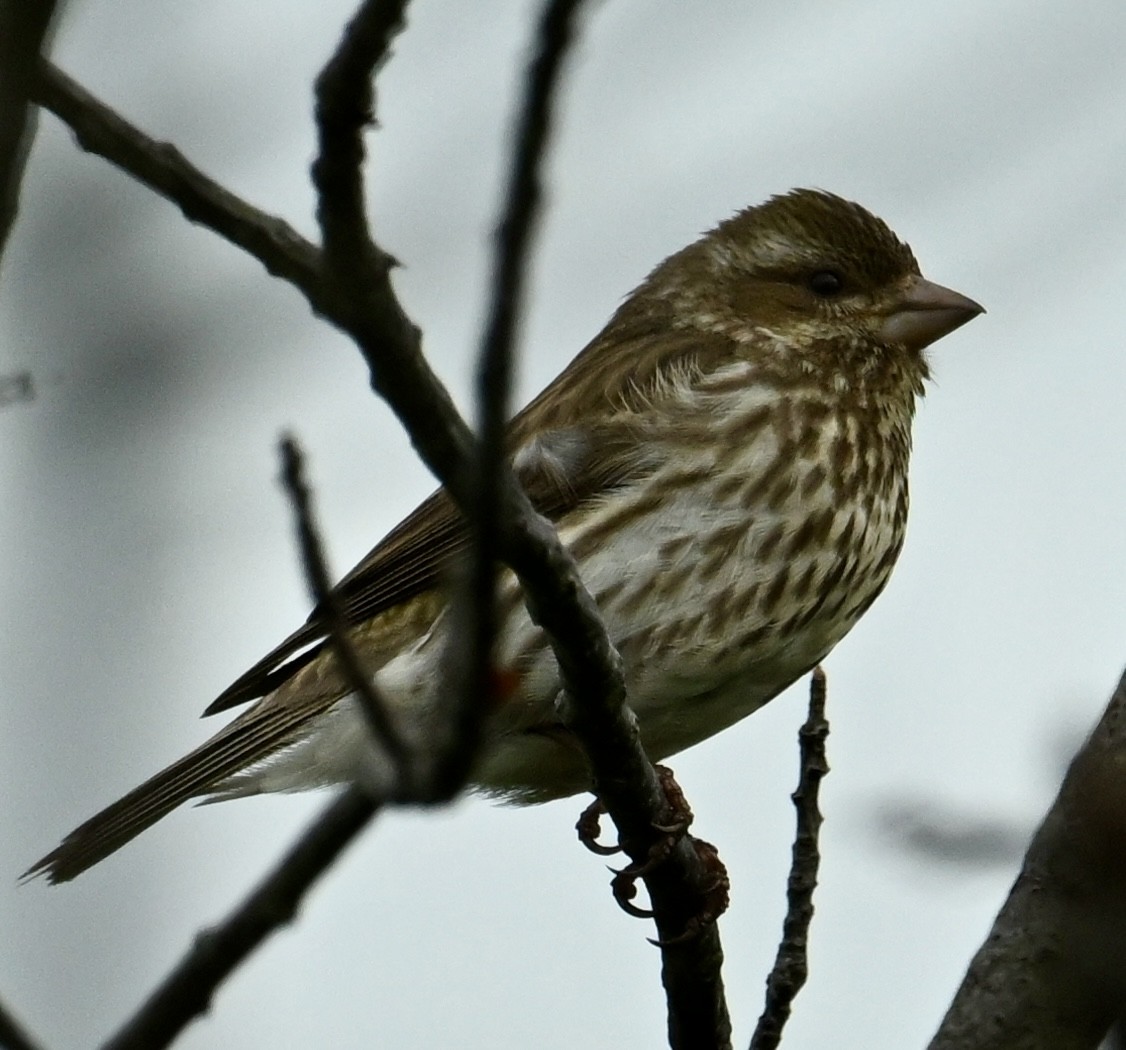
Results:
x,y
253,736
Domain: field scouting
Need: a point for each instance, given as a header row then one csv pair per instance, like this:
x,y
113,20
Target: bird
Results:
x,y
726,461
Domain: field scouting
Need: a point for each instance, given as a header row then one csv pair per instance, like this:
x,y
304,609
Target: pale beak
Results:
x,y
924,312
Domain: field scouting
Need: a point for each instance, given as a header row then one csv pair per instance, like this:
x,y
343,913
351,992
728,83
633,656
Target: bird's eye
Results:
x,y
825,283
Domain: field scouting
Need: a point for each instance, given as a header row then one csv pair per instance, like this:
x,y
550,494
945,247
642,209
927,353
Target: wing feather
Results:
x,y
578,441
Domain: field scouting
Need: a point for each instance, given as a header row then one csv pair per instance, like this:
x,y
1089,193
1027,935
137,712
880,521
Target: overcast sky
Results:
x,y
148,556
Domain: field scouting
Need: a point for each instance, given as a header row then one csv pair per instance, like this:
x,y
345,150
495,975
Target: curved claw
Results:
x,y
624,887
624,883
690,932
589,828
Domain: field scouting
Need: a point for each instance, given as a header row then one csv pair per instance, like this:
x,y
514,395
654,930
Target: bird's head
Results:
x,y
816,274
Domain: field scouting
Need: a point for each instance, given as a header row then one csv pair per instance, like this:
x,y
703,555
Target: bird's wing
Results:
x,y
559,470
563,455
581,437
405,563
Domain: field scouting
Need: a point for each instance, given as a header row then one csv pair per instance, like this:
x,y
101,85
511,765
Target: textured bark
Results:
x,y
1052,973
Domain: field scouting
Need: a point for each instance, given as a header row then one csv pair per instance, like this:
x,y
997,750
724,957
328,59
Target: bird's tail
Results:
x,y
250,738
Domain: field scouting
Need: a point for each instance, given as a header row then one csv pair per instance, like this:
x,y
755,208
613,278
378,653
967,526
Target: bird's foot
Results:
x,y
716,891
589,827
624,883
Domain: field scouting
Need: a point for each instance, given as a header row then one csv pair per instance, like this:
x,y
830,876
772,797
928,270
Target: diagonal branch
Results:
x,y
623,775
186,992
1052,973
12,1034
362,303
165,170
25,27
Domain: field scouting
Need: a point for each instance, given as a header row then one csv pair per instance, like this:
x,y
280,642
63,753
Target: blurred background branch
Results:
x,y
16,388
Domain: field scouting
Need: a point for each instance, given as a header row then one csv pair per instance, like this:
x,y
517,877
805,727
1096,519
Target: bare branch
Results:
x,y
1052,973
623,775
325,598
791,964
164,169
472,649
24,29
186,992
363,304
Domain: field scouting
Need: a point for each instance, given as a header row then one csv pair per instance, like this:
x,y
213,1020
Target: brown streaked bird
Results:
x,y
726,460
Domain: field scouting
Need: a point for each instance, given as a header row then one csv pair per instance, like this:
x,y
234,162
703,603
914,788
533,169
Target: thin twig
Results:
x,y
791,964
12,1034
186,992
473,648
163,168
325,598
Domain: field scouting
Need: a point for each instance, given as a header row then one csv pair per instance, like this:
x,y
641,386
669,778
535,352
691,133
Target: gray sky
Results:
x,y
149,560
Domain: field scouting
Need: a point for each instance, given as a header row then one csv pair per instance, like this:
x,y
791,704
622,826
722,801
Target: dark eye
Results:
x,y
825,283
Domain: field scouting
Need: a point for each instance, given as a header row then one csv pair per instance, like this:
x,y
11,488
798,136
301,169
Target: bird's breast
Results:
x,y
734,567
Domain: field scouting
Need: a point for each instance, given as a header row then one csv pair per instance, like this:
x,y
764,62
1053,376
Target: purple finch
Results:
x,y
727,462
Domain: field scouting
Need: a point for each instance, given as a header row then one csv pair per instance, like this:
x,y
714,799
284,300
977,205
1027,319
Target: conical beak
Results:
x,y
924,312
